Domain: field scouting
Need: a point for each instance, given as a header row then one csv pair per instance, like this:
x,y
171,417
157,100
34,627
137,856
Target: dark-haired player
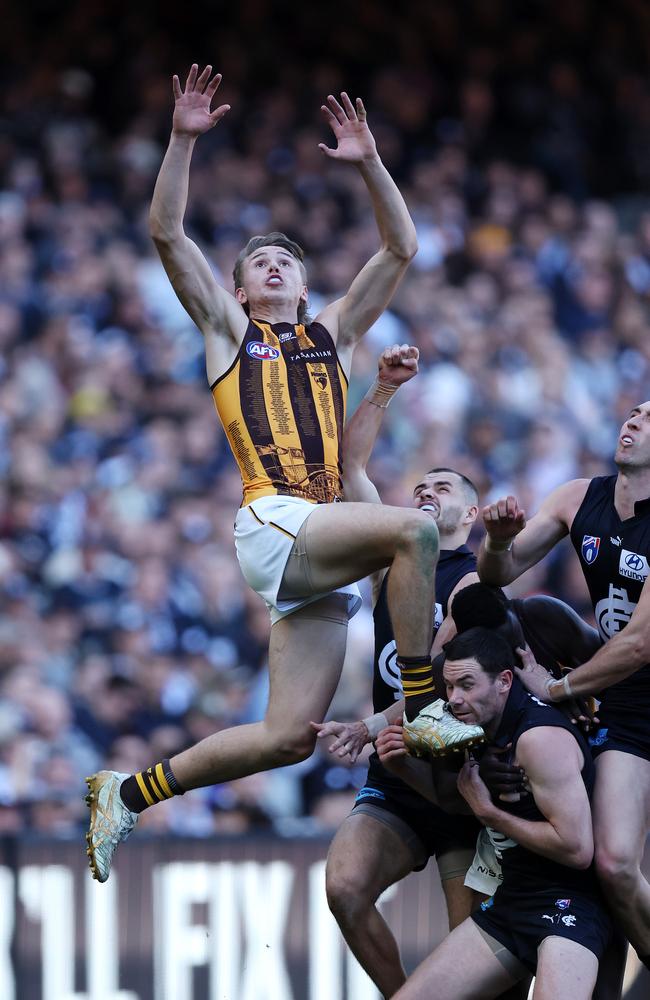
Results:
x,y
280,389
608,520
547,916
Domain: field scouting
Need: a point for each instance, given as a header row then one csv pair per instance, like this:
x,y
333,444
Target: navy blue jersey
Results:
x,y
614,557
453,565
524,869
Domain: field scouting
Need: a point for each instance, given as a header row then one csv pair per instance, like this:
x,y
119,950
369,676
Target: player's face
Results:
x,y
475,697
271,275
442,496
633,449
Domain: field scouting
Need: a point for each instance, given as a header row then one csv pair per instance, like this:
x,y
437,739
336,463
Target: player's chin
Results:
x,y
469,718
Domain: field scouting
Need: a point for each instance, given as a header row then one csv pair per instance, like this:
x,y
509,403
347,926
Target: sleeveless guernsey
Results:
x,y
524,869
615,559
282,405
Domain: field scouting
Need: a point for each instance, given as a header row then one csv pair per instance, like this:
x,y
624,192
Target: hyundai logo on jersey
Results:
x,y
633,566
590,547
263,352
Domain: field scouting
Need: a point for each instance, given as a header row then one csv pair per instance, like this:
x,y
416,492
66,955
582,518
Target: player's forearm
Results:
x,y
170,192
496,568
445,633
360,434
619,658
395,225
395,712
565,846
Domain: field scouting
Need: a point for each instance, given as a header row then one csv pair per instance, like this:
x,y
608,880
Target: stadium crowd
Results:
x,y
522,148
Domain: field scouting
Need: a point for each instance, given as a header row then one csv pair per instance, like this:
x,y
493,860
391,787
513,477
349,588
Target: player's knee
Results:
x,y
347,895
616,868
420,531
292,747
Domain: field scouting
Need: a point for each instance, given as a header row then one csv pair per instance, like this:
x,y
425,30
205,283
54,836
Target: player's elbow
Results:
x,y
491,575
405,249
354,474
162,234
580,855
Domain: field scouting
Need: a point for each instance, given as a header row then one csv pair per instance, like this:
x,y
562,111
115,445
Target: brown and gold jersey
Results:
x,y
282,405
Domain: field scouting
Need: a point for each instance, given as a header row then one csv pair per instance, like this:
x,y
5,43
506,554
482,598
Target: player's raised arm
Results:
x,y
211,307
372,289
511,546
396,365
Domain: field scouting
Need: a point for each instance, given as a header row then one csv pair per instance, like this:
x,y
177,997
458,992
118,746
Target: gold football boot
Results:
x,y
435,732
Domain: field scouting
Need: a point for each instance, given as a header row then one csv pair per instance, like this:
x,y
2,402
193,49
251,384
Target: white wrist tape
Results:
x,y
566,687
568,693
380,393
496,547
374,724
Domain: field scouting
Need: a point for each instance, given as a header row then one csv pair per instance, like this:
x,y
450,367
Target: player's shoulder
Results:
x,y
566,499
328,318
547,742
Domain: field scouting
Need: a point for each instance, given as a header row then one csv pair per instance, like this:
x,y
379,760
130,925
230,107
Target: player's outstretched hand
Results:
x,y
349,737
533,675
354,140
192,115
504,520
398,364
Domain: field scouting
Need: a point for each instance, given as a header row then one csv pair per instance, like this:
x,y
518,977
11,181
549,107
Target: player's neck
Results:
x,y
631,485
266,312
492,727
452,540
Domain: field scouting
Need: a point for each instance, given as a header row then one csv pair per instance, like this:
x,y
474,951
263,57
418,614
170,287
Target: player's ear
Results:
x,y
471,514
241,296
504,680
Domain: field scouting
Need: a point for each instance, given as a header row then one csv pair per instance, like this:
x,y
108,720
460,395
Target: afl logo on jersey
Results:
x,y
590,547
263,352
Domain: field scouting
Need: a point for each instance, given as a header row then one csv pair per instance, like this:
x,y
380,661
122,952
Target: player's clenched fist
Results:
x,y
398,364
503,521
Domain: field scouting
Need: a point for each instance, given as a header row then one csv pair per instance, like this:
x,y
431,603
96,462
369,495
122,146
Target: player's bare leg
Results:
x,y
348,542
621,824
448,975
343,544
366,857
306,654
565,970
459,899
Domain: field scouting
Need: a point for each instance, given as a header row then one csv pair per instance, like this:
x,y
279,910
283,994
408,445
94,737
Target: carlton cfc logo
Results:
x,y
261,351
